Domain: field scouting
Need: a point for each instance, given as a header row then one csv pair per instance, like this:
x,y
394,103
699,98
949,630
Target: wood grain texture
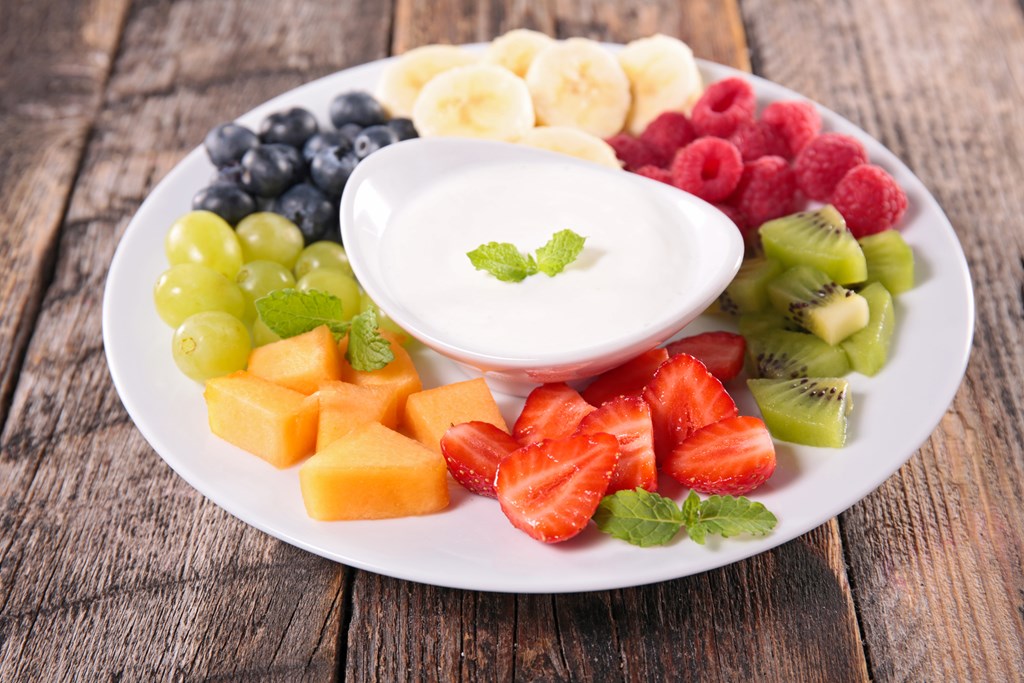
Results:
x,y
111,566
785,615
936,553
55,63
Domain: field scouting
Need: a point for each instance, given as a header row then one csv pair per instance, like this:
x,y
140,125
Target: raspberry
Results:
x,y
824,161
667,134
724,107
632,152
767,190
708,167
758,139
655,173
869,199
797,121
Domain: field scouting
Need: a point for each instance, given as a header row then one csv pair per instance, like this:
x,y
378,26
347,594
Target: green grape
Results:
x,y
259,278
263,335
384,321
205,238
266,236
322,254
189,288
333,282
211,344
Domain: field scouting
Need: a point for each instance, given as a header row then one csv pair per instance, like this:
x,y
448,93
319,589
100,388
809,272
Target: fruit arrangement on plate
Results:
x,y
300,366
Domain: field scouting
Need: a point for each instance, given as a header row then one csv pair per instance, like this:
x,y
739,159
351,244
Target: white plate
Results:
x,y
471,545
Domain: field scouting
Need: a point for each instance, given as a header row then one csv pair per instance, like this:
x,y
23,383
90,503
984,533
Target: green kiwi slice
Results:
x,y
790,355
890,261
809,411
868,349
818,239
812,300
750,324
746,293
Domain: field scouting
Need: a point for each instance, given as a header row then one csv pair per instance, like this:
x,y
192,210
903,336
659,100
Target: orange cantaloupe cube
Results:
x,y
344,406
301,362
373,473
399,376
429,414
264,418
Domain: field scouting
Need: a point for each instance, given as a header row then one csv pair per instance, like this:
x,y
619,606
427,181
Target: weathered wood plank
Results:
x,y
111,566
935,554
786,615
55,61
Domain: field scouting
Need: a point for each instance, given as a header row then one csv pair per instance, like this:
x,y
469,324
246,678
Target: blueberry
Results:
x,y
292,127
228,201
403,129
356,107
266,171
228,175
323,140
308,208
228,142
331,168
294,157
372,139
351,131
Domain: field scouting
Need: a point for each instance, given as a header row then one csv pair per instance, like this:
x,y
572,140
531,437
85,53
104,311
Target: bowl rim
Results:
x,y
359,246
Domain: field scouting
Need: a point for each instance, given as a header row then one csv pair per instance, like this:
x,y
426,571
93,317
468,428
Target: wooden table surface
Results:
x,y
113,568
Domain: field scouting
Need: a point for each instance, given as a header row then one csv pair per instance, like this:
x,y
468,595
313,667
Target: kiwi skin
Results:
x,y
809,411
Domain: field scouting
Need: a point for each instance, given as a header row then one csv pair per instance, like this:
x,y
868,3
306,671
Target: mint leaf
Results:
x,y
367,349
728,516
503,261
289,312
561,250
639,517
691,510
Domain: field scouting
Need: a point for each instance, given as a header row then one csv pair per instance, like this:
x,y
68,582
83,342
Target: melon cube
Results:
x,y
344,406
429,414
301,362
399,376
373,473
264,418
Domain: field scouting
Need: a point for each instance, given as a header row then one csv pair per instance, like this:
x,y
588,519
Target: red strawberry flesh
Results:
x,y
720,352
730,457
629,379
551,489
628,419
473,451
551,411
684,397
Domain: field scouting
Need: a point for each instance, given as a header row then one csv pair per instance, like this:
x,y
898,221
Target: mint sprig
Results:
x,y
504,261
290,312
645,519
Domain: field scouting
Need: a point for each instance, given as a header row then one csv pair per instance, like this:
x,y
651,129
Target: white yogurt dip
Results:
x,y
622,283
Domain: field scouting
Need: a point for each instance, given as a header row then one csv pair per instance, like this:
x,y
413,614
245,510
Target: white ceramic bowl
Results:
x,y
385,183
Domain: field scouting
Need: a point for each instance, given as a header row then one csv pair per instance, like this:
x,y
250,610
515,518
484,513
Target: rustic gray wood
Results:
x,y
935,555
111,565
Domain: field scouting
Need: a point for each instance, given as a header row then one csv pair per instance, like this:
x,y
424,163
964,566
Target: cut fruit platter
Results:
x,y
467,541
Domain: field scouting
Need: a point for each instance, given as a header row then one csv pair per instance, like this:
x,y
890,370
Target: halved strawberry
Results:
x,y
628,419
684,397
473,451
720,352
730,457
626,380
551,489
551,411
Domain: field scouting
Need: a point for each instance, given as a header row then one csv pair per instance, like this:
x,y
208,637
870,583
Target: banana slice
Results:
x,y
516,49
478,101
573,142
403,79
663,76
578,83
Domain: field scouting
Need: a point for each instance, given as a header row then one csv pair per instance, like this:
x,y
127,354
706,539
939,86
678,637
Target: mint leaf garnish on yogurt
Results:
x,y
504,261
